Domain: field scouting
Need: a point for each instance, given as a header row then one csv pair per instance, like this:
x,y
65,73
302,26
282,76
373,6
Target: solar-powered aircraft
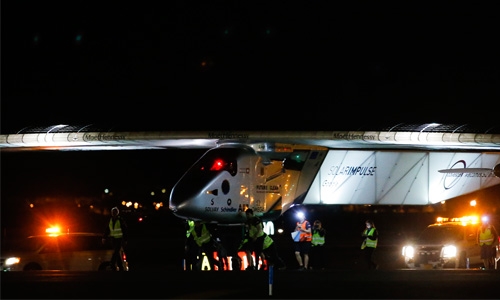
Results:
x,y
272,171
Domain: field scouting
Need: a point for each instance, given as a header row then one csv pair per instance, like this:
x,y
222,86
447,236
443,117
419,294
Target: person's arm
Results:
x,y
260,227
495,235
374,236
124,229
106,233
322,232
308,227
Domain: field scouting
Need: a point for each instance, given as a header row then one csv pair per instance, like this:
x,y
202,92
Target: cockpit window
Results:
x,y
296,160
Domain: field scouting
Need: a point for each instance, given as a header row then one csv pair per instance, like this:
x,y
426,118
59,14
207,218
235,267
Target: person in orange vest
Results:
x,y
302,244
369,244
487,238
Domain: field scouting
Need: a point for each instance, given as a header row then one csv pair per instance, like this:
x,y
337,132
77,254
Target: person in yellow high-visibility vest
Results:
x,y
203,243
117,231
253,241
487,238
369,244
271,253
317,255
190,248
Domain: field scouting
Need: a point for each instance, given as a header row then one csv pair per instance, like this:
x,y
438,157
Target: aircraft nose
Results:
x,y
182,198
176,200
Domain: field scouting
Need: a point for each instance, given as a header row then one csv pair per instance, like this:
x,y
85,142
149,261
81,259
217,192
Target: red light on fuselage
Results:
x,y
217,165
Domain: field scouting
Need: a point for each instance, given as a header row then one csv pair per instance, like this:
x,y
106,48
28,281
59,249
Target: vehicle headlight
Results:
x,y
408,251
12,261
449,251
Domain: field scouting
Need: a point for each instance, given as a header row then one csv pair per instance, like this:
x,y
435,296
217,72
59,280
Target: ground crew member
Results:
x,y
117,230
253,241
369,244
487,237
318,246
271,253
190,248
203,241
303,245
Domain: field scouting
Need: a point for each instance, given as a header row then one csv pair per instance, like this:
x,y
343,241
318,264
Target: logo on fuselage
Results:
x,y
452,178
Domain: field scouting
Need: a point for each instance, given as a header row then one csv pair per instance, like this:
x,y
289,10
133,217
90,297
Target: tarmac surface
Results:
x,y
160,275
288,284
156,272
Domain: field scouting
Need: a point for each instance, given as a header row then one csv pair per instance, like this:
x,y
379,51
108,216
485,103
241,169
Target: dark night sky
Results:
x,y
202,65
246,64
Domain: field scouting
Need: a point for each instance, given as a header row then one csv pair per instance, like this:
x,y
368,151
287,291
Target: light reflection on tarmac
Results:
x,y
287,284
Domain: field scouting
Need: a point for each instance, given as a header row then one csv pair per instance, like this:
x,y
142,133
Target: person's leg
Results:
x,y
484,256
259,253
249,259
298,257
199,258
372,265
191,260
191,249
322,258
116,260
263,258
368,257
306,249
251,264
209,252
491,260
235,262
485,263
247,248
313,257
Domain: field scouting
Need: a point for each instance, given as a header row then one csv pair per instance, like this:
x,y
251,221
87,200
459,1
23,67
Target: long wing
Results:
x,y
272,171
401,136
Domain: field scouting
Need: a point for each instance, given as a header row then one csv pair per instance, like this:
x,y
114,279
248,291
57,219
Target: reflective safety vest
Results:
x,y
203,238
369,242
268,241
304,236
317,240
115,230
486,237
191,228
